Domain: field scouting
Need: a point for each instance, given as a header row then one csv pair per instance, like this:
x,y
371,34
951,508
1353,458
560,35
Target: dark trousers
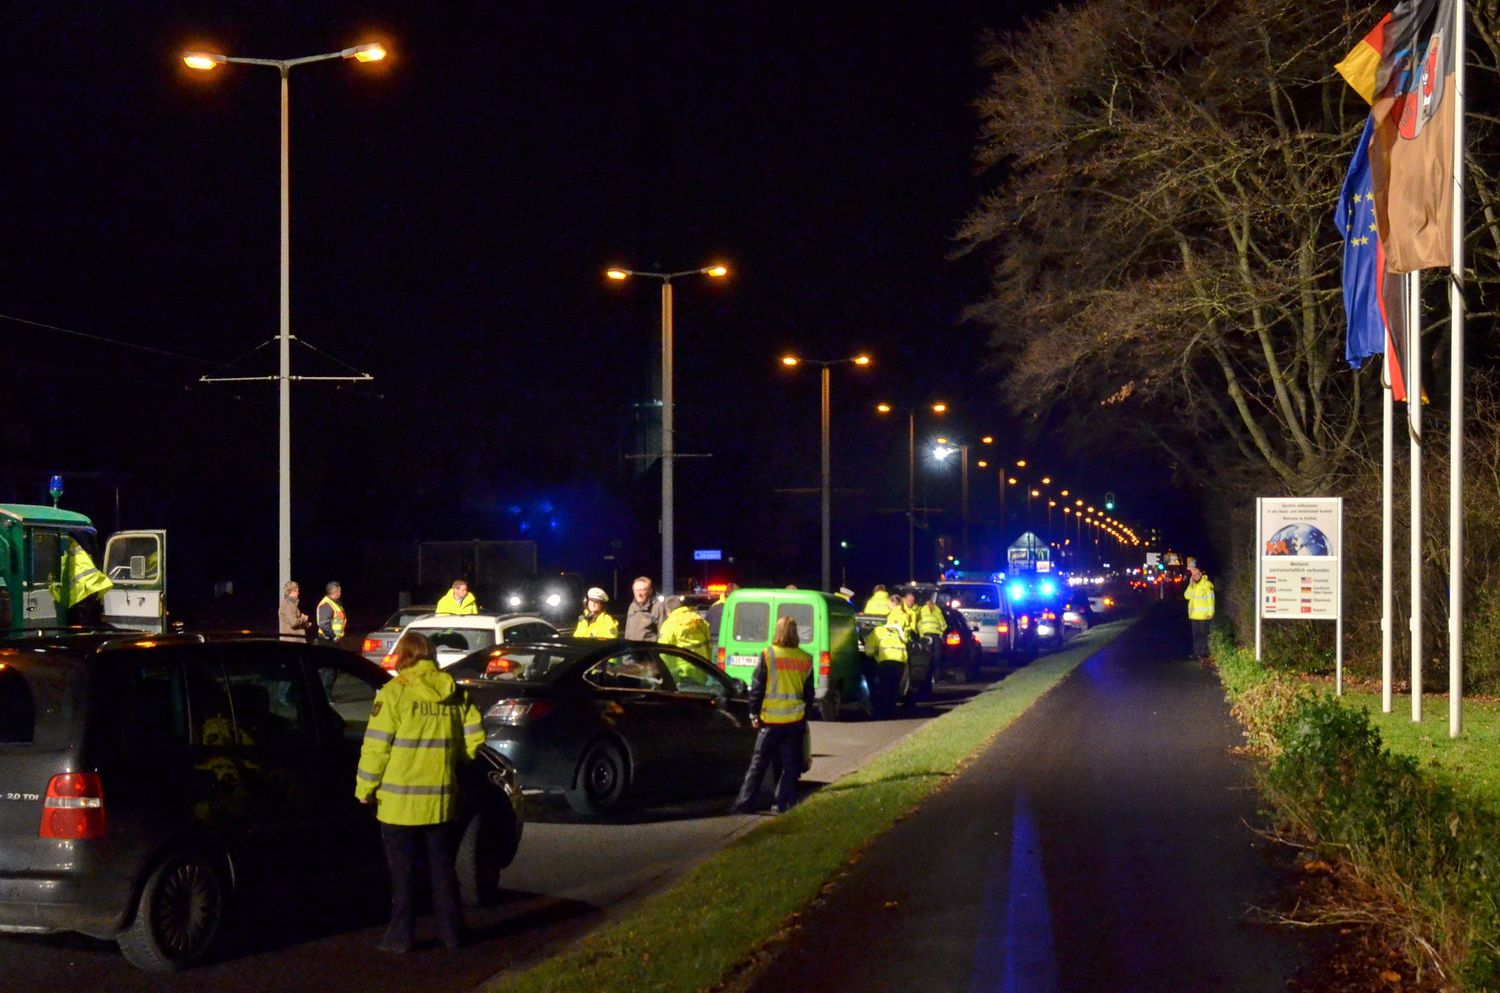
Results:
x,y
406,847
783,743
1200,638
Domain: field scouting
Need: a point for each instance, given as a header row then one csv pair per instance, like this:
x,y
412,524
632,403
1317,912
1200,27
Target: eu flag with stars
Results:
x,y
1364,262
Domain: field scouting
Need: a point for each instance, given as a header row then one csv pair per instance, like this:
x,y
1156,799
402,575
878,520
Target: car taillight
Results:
x,y
1048,615
1002,627
516,712
1109,601
371,645
74,808
825,663
389,662
1023,622
720,658
953,640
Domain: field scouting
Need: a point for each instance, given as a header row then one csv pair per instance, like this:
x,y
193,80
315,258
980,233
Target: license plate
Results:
x,y
743,659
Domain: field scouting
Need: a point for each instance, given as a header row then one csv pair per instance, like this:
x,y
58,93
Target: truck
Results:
x,y
44,552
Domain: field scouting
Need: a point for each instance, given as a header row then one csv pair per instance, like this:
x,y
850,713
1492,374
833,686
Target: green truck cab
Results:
x,y
825,625
42,553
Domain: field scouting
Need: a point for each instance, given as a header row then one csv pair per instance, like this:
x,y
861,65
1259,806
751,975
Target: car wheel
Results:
x,y
832,704
488,845
601,780
178,915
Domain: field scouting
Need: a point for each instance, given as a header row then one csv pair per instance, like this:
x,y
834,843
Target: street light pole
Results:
x,y
825,407
206,61
911,479
668,445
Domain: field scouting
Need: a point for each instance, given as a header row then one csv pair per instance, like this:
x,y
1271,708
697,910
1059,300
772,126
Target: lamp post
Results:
x,y
911,478
668,576
942,452
208,60
792,361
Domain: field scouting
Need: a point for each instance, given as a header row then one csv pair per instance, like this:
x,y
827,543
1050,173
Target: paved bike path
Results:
x,y
1101,843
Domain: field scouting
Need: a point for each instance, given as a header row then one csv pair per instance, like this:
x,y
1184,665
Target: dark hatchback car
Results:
x,y
149,783
606,723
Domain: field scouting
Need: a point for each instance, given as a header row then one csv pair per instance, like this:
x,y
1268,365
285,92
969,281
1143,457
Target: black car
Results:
x,y
148,783
607,723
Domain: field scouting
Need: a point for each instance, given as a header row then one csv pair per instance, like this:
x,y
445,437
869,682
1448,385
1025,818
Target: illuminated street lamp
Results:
x,y
791,362
911,477
668,573
942,452
204,61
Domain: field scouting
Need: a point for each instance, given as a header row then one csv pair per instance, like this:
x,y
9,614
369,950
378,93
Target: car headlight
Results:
x,y
554,599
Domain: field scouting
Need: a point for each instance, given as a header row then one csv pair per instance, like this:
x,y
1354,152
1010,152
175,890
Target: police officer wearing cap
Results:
x,y
594,622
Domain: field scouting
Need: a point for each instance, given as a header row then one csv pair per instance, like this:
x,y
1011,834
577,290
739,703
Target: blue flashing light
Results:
x,y
525,526
1017,591
1048,587
552,524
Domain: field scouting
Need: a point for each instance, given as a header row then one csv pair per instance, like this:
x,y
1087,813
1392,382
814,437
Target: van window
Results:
x,y
37,704
752,621
155,707
802,613
979,596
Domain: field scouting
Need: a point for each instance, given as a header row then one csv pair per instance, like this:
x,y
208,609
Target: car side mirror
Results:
x,y
740,689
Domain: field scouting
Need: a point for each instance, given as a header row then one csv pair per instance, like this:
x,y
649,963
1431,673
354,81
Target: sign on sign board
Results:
x,y
708,554
1299,574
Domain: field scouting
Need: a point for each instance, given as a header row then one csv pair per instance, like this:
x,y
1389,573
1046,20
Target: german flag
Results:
x,y
1404,68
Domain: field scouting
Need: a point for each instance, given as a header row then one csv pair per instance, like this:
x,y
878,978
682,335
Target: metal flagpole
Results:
x,y
1414,431
1456,396
1387,542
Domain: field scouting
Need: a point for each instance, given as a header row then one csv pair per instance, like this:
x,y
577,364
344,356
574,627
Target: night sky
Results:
x,y
453,209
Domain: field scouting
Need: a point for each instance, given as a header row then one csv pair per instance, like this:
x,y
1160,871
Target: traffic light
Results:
x,y
1109,501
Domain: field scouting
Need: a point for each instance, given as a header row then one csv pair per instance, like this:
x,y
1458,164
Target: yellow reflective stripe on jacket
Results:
x,y
787,673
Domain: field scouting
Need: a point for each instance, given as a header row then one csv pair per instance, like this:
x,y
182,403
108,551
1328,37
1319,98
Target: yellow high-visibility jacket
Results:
x,y
683,628
449,604
1200,598
602,626
422,729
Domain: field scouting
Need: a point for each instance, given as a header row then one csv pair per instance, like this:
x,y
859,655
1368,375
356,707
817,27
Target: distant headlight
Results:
x,y
514,601
553,599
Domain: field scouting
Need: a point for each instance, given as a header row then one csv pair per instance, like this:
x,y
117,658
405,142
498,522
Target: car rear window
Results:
x,y
978,597
802,613
37,706
752,621
512,664
460,639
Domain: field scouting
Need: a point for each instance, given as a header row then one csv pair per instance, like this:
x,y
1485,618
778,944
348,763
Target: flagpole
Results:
x,y
1456,396
1387,539
1414,431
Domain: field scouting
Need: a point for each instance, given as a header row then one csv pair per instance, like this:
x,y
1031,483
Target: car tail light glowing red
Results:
x,y
389,662
953,640
721,659
371,645
1002,627
825,663
74,808
516,712
499,665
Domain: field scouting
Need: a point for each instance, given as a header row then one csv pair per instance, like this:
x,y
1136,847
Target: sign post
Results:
x,y
1299,570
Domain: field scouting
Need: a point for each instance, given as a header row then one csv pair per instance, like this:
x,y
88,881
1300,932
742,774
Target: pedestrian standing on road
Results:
x,y
423,729
331,619
683,628
458,600
781,693
1200,597
646,611
292,622
879,602
594,622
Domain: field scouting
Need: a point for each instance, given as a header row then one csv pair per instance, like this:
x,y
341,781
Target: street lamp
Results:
x,y
942,452
792,361
205,61
911,478
668,576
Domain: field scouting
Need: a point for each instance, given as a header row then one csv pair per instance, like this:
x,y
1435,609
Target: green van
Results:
x,y
825,625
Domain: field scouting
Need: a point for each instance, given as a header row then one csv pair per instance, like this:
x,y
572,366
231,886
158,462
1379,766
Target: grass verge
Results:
x,y
697,932
1392,801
